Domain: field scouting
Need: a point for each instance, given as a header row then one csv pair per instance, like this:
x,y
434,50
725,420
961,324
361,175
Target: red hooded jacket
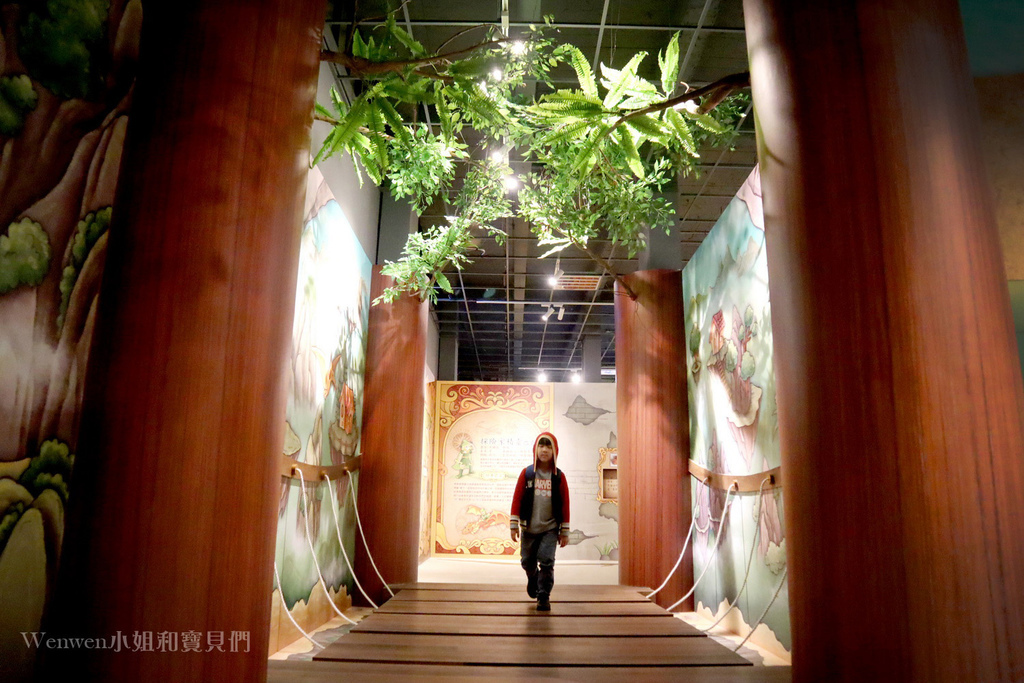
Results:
x,y
522,499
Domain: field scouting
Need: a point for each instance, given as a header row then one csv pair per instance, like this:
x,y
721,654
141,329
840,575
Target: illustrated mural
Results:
x,y
323,421
585,425
67,71
733,416
484,438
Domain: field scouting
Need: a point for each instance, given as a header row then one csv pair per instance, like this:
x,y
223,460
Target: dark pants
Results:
x,y
538,559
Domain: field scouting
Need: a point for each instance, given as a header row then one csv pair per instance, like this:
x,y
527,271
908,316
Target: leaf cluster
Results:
x,y
603,151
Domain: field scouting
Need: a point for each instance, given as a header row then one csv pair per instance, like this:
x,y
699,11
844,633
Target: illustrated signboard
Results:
x,y
484,438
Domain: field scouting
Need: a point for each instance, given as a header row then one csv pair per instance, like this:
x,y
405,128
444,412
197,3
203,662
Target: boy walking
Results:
x,y
540,506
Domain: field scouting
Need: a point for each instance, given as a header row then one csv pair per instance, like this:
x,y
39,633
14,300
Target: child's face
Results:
x,y
545,452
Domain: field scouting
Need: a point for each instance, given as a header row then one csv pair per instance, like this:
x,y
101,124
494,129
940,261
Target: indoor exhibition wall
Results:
x,y
483,438
324,413
734,420
65,94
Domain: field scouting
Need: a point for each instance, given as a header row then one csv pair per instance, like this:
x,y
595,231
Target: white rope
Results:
x,y
355,506
309,542
337,527
284,606
750,557
765,612
682,552
718,543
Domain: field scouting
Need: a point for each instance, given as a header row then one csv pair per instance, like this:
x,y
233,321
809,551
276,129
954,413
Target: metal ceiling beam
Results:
x,y
526,24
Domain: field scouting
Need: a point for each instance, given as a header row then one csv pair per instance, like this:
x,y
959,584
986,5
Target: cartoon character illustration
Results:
x,y
464,455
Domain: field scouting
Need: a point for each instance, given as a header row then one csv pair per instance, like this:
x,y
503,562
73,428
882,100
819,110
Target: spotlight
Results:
x,y
497,156
518,47
553,280
542,376
547,314
576,377
511,183
496,74
561,312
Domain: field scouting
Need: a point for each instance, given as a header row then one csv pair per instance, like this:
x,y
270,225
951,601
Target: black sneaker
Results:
x,y
531,586
542,604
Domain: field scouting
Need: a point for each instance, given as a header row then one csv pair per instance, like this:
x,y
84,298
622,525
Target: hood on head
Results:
x,y
554,443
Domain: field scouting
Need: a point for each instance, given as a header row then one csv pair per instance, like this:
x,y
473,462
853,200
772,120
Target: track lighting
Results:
x,y
561,312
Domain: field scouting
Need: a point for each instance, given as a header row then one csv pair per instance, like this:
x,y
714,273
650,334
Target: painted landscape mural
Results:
x,y
323,422
66,75
734,420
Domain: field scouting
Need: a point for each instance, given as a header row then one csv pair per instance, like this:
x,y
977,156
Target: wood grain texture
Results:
x,y
171,525
572,609
389,478
654,434
512,587
380,672
534,625
566,594
515,650
899,393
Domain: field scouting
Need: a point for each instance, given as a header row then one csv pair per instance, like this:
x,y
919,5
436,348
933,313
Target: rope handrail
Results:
x,y
682,553
369,555
289,467
718,543
284,606
312,551
337,527
743,483
750,558
782,582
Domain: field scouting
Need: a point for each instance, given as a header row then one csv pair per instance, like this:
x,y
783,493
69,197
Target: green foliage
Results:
x,y
63,45
87,233
421,166
51,469
24,255
694,340
731,356
17,99
602,152
747,366
8,521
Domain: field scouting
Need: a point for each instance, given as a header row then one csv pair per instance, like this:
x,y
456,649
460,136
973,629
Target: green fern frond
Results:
x,y
583,71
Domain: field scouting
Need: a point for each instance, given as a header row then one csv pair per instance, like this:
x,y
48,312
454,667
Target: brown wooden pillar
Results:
x,y
173,508
654,433
899,392
392,447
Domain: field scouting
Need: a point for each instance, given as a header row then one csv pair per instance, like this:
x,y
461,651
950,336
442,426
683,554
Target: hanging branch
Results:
x,y
360,66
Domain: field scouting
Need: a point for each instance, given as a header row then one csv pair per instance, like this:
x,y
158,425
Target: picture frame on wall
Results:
x,y
608,475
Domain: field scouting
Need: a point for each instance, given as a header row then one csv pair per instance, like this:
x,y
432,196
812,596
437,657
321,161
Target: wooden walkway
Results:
x,y
467,632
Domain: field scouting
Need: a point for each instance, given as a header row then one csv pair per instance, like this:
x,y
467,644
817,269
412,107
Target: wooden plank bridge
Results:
x,y
466,632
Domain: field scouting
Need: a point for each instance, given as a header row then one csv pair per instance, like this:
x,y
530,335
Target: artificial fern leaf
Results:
x,y
708,123
670,66
682,130
619,82
391,116
442,280
628,145
583,71
586,158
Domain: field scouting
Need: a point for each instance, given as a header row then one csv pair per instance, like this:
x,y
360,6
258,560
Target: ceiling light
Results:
x,y
542,377
553,280
497,156
561,312
518,47
547,314
576,377
511,183
496,74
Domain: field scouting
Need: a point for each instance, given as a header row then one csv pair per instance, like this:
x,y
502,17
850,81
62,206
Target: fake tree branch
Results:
x,y
607,267
716,92
360,66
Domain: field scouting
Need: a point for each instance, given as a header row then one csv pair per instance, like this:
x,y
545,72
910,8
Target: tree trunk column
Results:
x,y
392,447
899,392
173,512
654,434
